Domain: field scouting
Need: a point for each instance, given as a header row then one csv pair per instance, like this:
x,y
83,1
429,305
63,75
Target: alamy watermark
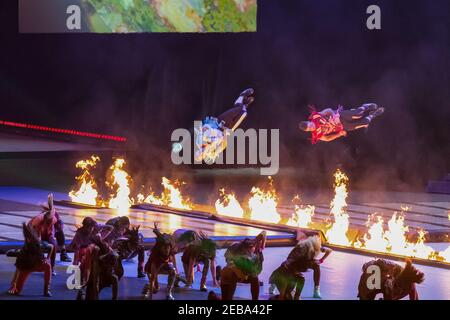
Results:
x,y
373,22
250,146
74,280
373,282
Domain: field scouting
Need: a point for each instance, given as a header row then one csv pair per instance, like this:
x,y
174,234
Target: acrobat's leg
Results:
x,y
354,124
352,114
369,107
234,116
362,122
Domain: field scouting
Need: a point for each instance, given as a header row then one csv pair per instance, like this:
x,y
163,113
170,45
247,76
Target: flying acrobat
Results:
x,y
211,140
328,124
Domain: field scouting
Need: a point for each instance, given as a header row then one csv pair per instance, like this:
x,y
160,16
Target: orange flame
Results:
x,y
150,198
374,239
394,240
228,205
302,216
337,231
263,204
86,193
120,200
171,196
389,238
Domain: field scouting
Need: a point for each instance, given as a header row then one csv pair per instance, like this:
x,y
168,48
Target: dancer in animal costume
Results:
x,y
244,264
288,276
183,238
30,259
44,227
85,236
201,251
122,230
396,281
160,261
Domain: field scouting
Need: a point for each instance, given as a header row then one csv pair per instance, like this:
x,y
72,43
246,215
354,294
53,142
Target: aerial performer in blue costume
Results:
x,y
212,139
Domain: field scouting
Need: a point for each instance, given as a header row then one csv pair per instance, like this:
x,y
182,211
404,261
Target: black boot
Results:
x,y
13,253
64,257
245,98
179,279
141,273
81,295
218,273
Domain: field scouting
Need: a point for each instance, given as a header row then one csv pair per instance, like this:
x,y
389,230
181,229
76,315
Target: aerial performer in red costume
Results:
x,y
328,124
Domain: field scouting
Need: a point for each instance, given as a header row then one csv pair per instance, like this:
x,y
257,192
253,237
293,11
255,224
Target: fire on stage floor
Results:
x,y
340,273
11,223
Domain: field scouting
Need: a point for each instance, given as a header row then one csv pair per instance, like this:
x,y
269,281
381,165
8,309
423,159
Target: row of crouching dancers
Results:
x,y
99,250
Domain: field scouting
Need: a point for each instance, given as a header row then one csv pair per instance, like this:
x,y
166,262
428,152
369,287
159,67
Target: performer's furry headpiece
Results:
x,y
309,247
49,207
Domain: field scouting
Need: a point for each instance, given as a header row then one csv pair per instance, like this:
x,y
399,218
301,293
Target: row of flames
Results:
x,y
393,239
118,183
263,206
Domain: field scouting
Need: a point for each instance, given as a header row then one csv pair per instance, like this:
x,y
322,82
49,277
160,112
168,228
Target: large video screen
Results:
x,y
126,16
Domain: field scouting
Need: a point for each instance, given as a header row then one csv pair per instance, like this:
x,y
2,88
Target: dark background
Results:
x,y
305,52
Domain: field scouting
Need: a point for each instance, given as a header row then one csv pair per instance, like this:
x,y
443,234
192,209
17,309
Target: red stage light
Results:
x,y
64,131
